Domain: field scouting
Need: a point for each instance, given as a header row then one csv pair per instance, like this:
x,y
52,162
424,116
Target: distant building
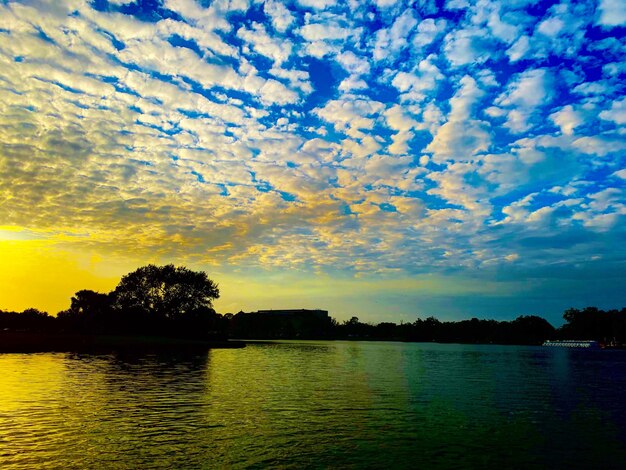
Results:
x,y
318,313
290,323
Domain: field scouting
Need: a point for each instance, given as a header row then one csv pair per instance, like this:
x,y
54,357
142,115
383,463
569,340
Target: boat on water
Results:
x,y
573,343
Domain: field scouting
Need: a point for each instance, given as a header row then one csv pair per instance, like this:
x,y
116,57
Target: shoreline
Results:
x,y
34,342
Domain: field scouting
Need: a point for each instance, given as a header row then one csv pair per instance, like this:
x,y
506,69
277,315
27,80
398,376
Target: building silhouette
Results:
x,y
276,324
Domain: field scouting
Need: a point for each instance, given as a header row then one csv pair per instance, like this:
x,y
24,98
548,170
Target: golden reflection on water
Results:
x,y
320,404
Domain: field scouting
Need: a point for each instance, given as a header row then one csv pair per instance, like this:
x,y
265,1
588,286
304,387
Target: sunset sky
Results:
x,y
382,159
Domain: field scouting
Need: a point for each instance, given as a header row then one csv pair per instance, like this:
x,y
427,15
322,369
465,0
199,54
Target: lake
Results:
x,y
314,404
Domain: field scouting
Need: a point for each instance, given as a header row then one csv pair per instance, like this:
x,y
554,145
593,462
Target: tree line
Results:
x,y
153,300
176,301
605,326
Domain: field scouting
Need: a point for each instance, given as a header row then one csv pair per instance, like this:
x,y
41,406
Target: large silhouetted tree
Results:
x,y
165,292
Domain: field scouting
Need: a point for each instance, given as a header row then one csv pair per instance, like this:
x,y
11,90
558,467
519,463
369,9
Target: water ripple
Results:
x,y
315,405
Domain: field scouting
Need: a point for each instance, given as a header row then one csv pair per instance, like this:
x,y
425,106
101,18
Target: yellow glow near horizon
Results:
x,y
36,273
43,270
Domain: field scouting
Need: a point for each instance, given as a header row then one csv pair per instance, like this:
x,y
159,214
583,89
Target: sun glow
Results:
x,y
36,273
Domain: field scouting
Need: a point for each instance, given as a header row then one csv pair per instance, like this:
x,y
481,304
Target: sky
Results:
x,y
387,159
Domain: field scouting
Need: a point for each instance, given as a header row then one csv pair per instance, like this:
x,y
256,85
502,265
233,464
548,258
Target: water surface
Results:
x,y
316,404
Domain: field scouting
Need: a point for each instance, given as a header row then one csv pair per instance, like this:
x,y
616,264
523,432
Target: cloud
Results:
x,y
519,49
353,64
612,13
261,43
324,31
461,137
211,19
603,209
503,29
427,31
524,94
468,46
298,79
209,40
456,4
352,83
351,114
415,86
317,4
455,187
281,17
400,121
616,113
594,88
389,42
600,145
317,136
567,119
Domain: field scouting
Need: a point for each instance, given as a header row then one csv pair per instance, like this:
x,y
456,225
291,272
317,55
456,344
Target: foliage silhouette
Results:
x,y
89,312
152,300
30,319
153,307
177,302
166,300
270,325
165,292
523,330
605,326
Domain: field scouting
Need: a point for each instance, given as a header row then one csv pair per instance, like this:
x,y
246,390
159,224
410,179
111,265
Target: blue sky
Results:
x,y
382,159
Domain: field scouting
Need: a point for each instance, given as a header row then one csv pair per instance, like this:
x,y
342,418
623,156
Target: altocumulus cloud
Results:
x,y
389,138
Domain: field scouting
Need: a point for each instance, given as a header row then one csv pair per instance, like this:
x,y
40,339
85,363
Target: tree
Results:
x,y
89,312
593,323
89,303
30,319
530,329
165,292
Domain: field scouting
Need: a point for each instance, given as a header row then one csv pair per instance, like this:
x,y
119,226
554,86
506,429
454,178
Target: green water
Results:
x,y
316,405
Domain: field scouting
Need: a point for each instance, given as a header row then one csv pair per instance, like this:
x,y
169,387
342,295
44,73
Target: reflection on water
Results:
x,y
316,404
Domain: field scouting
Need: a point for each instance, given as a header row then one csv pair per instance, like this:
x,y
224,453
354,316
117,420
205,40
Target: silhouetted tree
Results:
x,y
165,292
165,300
89,312
354,328
30,319
593,323
530,329
387,330
90,303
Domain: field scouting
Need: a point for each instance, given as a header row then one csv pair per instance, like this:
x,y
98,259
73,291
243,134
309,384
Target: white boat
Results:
x,y
573,343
